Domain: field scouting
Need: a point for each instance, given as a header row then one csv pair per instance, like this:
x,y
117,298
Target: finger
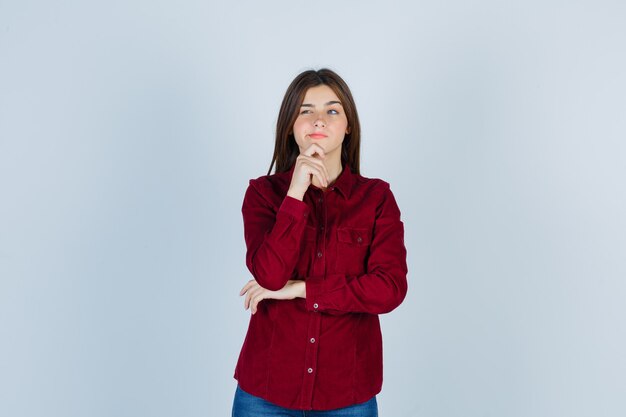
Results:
x,y
255,302
249,295
322,180
317,162
247,287
321,175
253,293
317,168
312,160
313,149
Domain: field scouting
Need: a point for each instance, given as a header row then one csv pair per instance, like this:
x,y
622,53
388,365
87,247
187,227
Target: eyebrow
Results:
x,y
327,104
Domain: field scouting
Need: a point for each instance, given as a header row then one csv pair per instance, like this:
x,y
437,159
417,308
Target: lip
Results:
x,y
317,135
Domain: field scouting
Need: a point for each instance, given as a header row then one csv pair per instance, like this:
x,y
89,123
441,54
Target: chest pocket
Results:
x,y
353,249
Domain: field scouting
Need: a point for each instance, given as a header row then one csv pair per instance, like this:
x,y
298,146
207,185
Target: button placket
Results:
x,y
321,218
318,268
310,361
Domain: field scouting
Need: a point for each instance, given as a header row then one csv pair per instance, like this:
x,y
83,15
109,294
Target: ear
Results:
x,y
348,130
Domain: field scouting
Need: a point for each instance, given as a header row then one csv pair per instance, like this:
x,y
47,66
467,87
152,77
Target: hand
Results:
x,y
309,164
255,293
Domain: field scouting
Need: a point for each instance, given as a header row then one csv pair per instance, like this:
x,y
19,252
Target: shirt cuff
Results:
x,y
294,207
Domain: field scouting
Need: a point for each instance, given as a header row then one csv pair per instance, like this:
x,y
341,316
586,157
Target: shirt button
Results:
x,y
319,254
312,340
359,239
310,370
315,306
319,200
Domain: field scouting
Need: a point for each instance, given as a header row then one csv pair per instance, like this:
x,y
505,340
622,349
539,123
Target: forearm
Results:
x,y
255,293
373,293
273,240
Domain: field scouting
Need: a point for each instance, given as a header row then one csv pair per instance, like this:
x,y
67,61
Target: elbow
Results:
x,y
393,302
269,279
397,291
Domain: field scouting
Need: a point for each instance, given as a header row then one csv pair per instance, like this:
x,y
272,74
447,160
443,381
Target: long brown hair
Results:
x,y
286,149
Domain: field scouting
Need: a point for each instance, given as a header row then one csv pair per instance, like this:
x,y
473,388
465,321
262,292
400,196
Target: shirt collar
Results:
x,y
344,182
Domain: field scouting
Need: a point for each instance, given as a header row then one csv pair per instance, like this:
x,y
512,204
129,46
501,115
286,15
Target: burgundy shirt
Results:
x,y
347,244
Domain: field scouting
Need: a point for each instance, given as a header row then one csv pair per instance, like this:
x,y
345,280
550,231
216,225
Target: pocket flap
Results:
x,y
354,235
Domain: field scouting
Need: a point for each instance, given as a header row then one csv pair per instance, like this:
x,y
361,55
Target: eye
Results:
x,y
335,111
305,111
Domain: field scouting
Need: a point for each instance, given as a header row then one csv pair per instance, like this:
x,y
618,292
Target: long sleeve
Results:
x,y
384,285
273,237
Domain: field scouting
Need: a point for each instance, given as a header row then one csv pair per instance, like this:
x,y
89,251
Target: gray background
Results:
x,y
129,130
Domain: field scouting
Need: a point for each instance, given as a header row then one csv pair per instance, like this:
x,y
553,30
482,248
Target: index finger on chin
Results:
x,y
315,149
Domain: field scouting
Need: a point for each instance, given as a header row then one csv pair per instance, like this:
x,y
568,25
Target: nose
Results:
x,y
319,122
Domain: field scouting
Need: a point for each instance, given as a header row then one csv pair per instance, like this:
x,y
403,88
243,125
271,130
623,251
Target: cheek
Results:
x,y
344,124
340,125
300,127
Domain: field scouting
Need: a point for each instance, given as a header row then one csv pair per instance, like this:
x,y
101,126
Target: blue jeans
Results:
x,y
247,405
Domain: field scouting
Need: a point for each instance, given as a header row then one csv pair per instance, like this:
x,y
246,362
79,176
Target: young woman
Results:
x,y
325,246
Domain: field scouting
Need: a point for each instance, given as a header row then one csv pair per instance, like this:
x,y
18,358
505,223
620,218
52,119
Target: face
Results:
x,y
321,120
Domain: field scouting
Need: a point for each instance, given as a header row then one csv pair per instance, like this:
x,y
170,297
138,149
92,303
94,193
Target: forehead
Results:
x,y
320,94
